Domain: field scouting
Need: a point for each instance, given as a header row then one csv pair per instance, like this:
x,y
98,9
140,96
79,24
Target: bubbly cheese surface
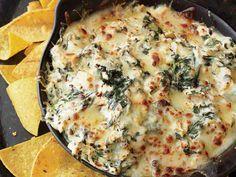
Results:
x,y
143,91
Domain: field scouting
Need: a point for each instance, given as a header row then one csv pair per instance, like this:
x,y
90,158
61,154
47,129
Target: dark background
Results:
x,y
9,122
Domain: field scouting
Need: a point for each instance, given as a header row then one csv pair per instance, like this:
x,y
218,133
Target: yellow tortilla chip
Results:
x,y
54,161
6,72
33,26
34,5
52,5
45,3
19,159
30,48
23,94
28,67
17,44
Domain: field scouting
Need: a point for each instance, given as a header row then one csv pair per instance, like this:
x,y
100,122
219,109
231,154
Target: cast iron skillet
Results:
x,y
220,166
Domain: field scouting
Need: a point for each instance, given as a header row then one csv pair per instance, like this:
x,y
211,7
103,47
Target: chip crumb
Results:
x,y
14,133
45,171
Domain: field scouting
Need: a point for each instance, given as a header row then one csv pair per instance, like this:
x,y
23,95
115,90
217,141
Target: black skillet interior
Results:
x,y
222,165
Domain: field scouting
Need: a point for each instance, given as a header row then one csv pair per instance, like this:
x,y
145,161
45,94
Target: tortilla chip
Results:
x,y
23,94
52,5
45,3
54,161
19,159
28,67
30,48
17,43
34,5
6,72
33,26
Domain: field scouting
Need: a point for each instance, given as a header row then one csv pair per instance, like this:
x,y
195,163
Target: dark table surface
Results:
x,y
9,9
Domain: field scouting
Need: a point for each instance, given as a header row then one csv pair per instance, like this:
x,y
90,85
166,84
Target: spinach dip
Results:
x,y
143,91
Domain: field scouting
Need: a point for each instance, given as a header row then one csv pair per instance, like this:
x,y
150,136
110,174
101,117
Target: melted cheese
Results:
x,y
143,91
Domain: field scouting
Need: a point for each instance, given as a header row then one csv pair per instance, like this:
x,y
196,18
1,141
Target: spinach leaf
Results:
x,y
178,136
193,130
204,112
150,23
72,95
86,97
119,83
180,75
188,151
208,60
205,37
181,69
212,42
166,79
232,43
230,60
146,50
